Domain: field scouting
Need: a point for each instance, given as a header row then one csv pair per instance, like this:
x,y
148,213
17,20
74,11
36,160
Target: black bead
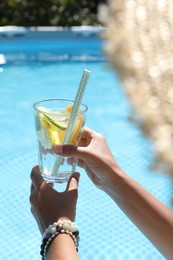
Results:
x,y
42,246
45,240
41,252
76,233
58,228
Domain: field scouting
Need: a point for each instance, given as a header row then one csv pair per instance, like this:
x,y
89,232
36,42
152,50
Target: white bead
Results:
x,y
60,222
72,228
65,226
52,229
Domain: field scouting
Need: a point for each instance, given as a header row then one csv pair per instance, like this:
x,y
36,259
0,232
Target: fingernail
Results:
x,y
58,149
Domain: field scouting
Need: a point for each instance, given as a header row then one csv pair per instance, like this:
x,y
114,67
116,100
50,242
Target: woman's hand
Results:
x,y
48,205
93,155
151,216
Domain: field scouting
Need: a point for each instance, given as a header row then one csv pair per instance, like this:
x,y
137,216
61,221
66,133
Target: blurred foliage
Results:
x,y
48,12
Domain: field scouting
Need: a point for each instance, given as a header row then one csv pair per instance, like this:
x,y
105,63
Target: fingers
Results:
x,y
88,132
73,182
80,151
70,150
37,179
80,162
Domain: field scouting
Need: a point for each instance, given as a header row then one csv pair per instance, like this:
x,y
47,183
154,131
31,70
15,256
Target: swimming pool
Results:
x,y
38,68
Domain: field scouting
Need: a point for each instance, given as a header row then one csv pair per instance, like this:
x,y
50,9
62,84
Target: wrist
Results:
x,y
62,227
115,175
62,247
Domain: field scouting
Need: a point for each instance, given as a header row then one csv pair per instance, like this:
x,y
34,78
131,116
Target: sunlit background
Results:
x,y
44,62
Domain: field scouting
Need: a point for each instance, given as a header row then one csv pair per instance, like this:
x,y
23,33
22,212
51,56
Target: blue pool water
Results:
x,y
46,69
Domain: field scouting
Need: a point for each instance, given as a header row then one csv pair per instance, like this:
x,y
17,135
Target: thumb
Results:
x,y
69,150
73,182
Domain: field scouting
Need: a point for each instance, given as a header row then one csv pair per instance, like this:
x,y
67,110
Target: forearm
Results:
x,y
152,217
62,247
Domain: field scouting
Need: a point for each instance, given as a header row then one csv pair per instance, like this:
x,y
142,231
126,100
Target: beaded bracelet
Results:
x,y
60,227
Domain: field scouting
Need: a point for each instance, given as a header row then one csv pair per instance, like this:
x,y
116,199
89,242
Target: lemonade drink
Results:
x,y
52,117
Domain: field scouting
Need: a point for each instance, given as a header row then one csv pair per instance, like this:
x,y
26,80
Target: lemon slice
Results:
x,y
69,108
49,111
77,130
55,123
59,123
44,109
52,134
78,125
43,138
54,137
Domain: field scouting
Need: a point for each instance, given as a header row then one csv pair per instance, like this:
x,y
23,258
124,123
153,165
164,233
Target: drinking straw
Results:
x,y
73,116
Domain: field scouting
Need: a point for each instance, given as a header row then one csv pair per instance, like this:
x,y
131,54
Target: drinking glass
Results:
x,y
51,121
